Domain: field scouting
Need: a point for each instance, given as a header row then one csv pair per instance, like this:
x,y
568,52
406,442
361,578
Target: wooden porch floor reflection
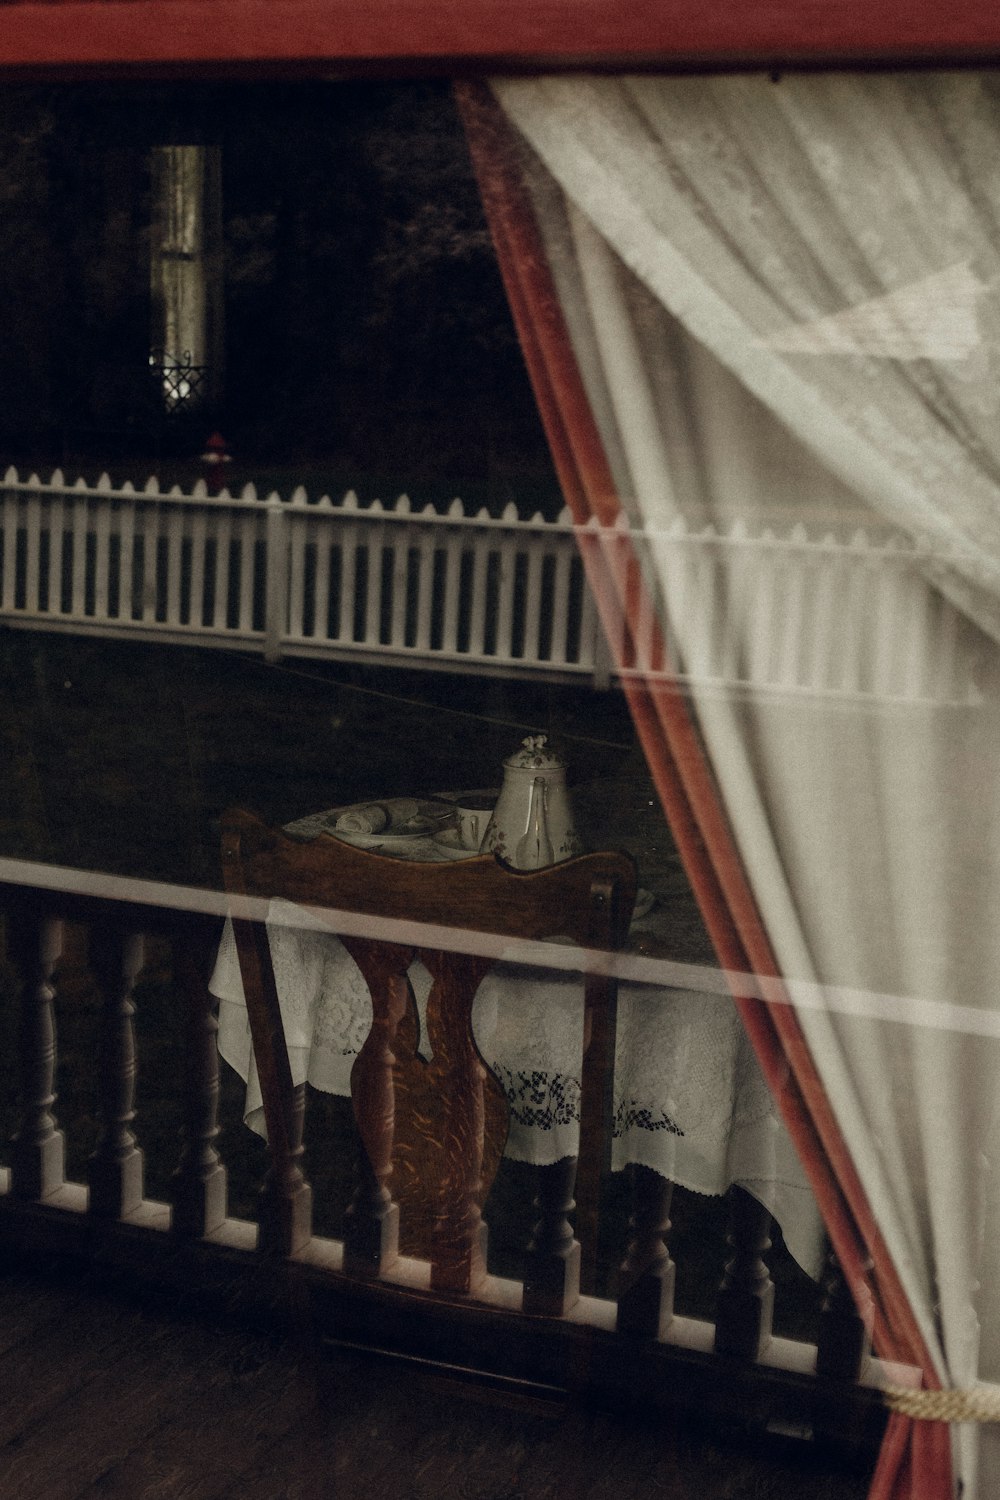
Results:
x,y
110,1397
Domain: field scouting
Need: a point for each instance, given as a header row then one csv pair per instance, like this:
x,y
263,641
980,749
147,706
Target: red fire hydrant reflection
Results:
x,y
213,463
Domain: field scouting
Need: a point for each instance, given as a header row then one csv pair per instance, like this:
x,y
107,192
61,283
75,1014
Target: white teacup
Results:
x,y
472,816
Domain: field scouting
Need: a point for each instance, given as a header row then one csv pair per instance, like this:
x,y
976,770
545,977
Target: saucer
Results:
x,y
644,903
448,841
378,840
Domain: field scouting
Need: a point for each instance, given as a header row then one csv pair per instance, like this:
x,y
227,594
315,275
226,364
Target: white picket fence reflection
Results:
x,y
778,609
783,611
481,592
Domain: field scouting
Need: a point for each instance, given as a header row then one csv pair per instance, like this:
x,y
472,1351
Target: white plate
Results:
x,y
424,821
384,843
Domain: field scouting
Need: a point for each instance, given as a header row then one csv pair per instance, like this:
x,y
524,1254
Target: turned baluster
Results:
x,y
285,1211
597,1078
198,1187
595,1114
552,1259
844,1339
371,1228
647,1275
38,1150
745,1303
458,1254
115,1174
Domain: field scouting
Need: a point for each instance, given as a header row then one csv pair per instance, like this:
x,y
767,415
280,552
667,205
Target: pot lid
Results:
x,y
535,755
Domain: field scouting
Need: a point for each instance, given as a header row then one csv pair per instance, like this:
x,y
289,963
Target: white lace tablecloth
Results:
x,y
689,1098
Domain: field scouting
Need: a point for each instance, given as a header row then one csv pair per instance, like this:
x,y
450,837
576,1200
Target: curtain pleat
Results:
x,y
915,1461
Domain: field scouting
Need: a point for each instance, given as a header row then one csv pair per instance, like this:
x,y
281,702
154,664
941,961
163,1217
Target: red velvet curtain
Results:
x,y
915,1461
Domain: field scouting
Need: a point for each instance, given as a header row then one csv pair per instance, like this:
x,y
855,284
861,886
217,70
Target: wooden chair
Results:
x,y
454,1106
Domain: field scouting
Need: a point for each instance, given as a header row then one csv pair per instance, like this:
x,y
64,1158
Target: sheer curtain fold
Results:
x,y
665,729
782,223
764,320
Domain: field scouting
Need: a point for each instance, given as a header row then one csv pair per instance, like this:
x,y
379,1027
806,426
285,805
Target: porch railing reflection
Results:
x,y
467,591
632,1349
750,604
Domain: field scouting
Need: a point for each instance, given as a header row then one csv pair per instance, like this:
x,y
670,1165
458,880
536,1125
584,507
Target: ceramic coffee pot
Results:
x,y
532,823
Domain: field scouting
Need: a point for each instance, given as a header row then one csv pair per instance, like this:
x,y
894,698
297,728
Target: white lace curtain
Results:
x,y
783,301
785,223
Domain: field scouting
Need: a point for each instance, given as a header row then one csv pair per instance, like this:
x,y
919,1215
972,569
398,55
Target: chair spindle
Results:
x,y
371,1230
285,1196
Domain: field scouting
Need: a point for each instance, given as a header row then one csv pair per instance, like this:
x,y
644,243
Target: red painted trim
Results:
x,y
468,35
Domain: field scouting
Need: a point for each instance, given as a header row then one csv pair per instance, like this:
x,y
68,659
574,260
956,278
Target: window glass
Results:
x,y
282,530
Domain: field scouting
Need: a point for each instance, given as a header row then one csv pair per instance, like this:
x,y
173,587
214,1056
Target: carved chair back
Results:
x,y
438,1128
